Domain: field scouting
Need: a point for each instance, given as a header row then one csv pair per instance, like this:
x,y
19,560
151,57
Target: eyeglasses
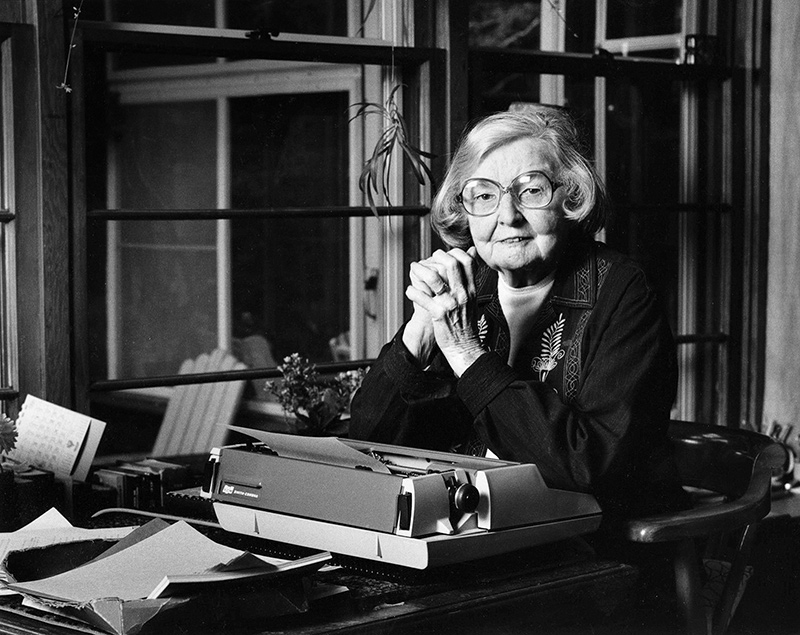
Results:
x,y
531,190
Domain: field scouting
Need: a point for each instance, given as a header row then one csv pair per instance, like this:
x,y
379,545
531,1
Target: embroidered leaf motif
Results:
x,y
551,349
483,328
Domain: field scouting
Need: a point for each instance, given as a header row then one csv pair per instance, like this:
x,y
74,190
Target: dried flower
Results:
x,y
8,437
314,401
76,13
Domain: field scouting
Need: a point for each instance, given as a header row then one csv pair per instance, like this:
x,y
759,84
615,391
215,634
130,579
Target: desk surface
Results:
x,y
553,585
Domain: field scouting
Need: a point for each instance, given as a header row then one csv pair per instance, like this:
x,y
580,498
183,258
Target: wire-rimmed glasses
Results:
x,y
530,190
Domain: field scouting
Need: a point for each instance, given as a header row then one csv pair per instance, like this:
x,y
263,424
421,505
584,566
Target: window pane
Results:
x,y
518,25
493,91
290,150
166,305
290,284
504,24
320,17
165,290
245,134
315,17
643,119
643,17
312,17
173,12
642,168
290,276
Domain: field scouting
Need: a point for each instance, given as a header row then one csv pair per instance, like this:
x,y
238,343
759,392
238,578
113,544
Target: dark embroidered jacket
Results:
x,y
588,399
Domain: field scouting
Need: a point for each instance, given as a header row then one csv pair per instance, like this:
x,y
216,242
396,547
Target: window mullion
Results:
x,y
113,267
600,139
224,284
552,34
687,400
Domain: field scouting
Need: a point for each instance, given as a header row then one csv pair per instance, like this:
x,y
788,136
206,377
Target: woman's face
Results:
x,y
521,244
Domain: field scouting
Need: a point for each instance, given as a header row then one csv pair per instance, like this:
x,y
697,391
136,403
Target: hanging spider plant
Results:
x,y
375,175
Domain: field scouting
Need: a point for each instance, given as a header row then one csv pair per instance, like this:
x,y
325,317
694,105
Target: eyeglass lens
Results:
x,y
481,197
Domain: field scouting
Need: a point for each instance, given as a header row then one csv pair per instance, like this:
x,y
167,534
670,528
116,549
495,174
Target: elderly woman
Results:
x,y
529,339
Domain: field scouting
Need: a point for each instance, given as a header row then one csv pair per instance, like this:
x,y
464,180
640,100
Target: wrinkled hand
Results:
x,y
444,295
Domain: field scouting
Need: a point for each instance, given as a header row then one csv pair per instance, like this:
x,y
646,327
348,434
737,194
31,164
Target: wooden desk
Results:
x,y
554,586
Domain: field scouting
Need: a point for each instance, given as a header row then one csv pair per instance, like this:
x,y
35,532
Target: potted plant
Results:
x,y
317,404
375,175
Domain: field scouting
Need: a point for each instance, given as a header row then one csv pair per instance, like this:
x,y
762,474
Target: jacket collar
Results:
x,y
575,284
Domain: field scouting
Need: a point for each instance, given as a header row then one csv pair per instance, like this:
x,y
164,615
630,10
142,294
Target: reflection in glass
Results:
x,y
519,25
504,24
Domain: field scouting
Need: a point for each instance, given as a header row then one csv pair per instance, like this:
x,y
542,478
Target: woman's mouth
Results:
x,y
515,239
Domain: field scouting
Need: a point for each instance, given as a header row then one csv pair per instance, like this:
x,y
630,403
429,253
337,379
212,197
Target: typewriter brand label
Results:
x,y
235,489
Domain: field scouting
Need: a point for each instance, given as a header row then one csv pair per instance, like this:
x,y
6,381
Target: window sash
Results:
x,y
617,59
415,66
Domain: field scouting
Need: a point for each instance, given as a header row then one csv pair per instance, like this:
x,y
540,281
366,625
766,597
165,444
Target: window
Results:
x,y
652,114
210,219
221,171
8,294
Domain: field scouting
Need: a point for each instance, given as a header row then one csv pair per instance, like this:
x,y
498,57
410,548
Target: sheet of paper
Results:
x,y
233,573
51,528
328,450
134,572
51,519
50,437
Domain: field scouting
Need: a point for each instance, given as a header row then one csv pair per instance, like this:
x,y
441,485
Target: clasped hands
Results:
x,y
445,305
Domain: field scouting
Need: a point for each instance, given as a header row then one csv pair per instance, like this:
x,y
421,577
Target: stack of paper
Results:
x,y
51,528
154,570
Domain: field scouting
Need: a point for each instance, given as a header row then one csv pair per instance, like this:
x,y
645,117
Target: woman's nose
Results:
x,y
507,211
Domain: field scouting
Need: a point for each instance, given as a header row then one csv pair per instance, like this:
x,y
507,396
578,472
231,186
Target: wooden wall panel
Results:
x,y
782,364
42,204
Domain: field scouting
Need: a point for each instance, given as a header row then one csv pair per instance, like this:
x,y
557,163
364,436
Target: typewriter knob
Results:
x,y
465,498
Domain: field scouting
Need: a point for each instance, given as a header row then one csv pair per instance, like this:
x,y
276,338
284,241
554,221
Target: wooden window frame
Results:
x,y
416,65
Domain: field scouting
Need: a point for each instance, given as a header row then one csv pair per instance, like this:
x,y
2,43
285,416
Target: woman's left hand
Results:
x,y
453,306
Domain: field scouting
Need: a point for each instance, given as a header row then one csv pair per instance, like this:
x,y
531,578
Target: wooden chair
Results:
x,y
197,415
738,466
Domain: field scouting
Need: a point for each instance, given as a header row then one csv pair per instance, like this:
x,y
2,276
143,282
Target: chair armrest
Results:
x,y
752,506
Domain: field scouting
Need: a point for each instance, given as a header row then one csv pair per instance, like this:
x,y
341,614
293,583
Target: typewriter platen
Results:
x,y
385,503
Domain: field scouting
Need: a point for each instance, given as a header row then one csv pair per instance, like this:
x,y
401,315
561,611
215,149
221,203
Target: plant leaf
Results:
x,y
414,163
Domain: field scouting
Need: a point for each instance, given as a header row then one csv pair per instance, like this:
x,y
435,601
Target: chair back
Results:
x,y
721,459
198,415
738,465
